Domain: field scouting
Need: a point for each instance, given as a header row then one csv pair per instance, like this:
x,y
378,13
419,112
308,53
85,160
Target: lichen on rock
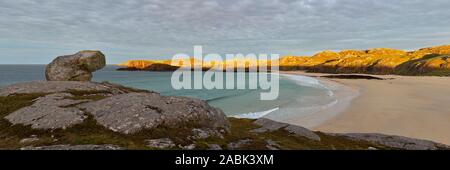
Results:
x,y
49,112
76,67
131,112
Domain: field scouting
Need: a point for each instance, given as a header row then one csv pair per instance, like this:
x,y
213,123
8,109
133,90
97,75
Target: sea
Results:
x,y
298,95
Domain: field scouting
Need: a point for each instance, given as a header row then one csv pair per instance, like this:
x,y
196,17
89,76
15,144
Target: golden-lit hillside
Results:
x,y
426,61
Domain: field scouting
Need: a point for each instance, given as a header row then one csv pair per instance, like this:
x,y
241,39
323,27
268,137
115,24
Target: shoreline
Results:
x,y
344,94
400,105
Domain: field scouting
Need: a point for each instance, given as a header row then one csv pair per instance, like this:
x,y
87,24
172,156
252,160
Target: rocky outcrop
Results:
x,y
270,125
121,110
163,143
399,142
31,139
77,67
137,64
214,147
204,134
49,112
64,86
131,112
127,118
107,107
239,144
272,145
160,65
74,147
151,67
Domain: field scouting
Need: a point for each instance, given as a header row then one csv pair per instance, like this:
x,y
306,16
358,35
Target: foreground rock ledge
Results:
x,y
64,86
69,115
74,147
131,112
49,112
118,108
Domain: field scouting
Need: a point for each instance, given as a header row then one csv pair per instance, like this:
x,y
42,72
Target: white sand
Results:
x,y
417,107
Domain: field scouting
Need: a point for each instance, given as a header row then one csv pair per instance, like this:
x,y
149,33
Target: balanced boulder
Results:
x,y
77,67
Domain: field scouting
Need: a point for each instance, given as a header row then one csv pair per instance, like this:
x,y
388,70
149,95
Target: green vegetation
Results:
x,y
90,132
240,130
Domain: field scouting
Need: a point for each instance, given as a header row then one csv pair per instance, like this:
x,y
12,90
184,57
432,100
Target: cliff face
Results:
x,y
426,61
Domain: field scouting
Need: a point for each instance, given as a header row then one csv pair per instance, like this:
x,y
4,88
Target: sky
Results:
x,y
36,31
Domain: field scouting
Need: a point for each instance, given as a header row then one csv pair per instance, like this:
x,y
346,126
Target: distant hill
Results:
x,y
426,61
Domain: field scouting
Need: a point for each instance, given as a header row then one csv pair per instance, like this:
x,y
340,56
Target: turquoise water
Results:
x,y
297,95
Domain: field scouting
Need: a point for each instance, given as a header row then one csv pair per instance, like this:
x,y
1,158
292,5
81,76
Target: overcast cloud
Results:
x,y
35,31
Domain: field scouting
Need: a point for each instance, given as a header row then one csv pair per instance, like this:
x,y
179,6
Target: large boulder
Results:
x,y
131,112
77,67
268,125
399,142
121,109
49,112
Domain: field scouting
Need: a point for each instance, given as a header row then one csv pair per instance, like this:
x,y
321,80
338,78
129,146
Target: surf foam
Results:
x,y
255,115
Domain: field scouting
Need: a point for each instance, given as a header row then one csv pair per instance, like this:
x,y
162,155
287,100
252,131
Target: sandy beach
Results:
x,y
415,107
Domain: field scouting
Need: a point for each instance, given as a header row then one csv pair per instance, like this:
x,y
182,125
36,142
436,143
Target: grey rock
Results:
x,y
239,144
200,134
205,133
188,147
372,148
132,112
74,147
64,86
270,125
50,87
399,142
49,112
29,140
162,143
76,67
301,131
272,145
214,147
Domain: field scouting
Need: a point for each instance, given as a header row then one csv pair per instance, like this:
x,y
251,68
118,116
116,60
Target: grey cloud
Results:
x,y
36,30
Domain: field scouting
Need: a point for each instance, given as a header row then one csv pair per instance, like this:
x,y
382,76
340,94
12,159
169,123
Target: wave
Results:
x,y
255,115
309,82
302,81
